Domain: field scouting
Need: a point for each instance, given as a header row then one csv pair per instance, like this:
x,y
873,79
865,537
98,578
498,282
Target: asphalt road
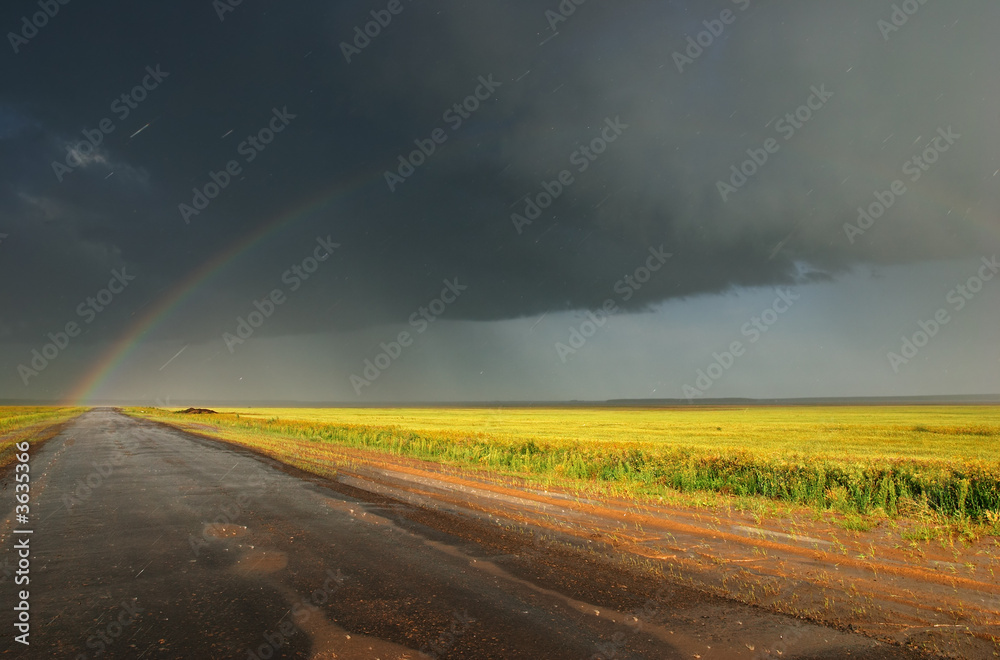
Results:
x,y
152,543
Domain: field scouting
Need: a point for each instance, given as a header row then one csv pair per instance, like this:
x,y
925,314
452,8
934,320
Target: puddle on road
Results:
x,y
222,531
358,512
331,642
261,562
328,640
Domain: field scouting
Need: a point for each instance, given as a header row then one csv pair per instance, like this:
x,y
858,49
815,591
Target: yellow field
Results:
x,y
882,460
920,432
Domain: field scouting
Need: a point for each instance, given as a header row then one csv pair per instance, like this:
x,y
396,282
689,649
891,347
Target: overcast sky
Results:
x,y
550,204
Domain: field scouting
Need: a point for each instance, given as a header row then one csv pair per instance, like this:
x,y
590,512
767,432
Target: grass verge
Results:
x,y
32,424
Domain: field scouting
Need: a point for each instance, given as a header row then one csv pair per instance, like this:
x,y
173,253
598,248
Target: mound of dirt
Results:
x,y
198,411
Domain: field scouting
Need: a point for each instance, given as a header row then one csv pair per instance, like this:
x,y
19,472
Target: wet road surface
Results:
x,y
149,542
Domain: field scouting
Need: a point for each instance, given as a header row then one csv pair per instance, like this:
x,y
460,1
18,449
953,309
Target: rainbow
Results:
x,y
124,347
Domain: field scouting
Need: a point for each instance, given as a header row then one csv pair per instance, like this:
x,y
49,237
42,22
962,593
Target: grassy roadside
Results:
x,y
945,492
32,424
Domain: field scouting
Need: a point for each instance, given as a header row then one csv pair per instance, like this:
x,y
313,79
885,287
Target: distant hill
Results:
x,y
957,399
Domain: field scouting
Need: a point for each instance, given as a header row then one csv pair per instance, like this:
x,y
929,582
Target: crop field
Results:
x,y
19,423
884,460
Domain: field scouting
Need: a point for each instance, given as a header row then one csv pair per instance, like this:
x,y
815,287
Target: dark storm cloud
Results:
x,y
656,184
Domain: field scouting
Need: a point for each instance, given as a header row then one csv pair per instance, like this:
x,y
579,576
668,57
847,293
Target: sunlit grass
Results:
x,y
849,459
19,423
15,417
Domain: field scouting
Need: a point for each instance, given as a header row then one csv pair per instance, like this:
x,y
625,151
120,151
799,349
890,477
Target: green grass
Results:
x,y
17,417
20,423
855,460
